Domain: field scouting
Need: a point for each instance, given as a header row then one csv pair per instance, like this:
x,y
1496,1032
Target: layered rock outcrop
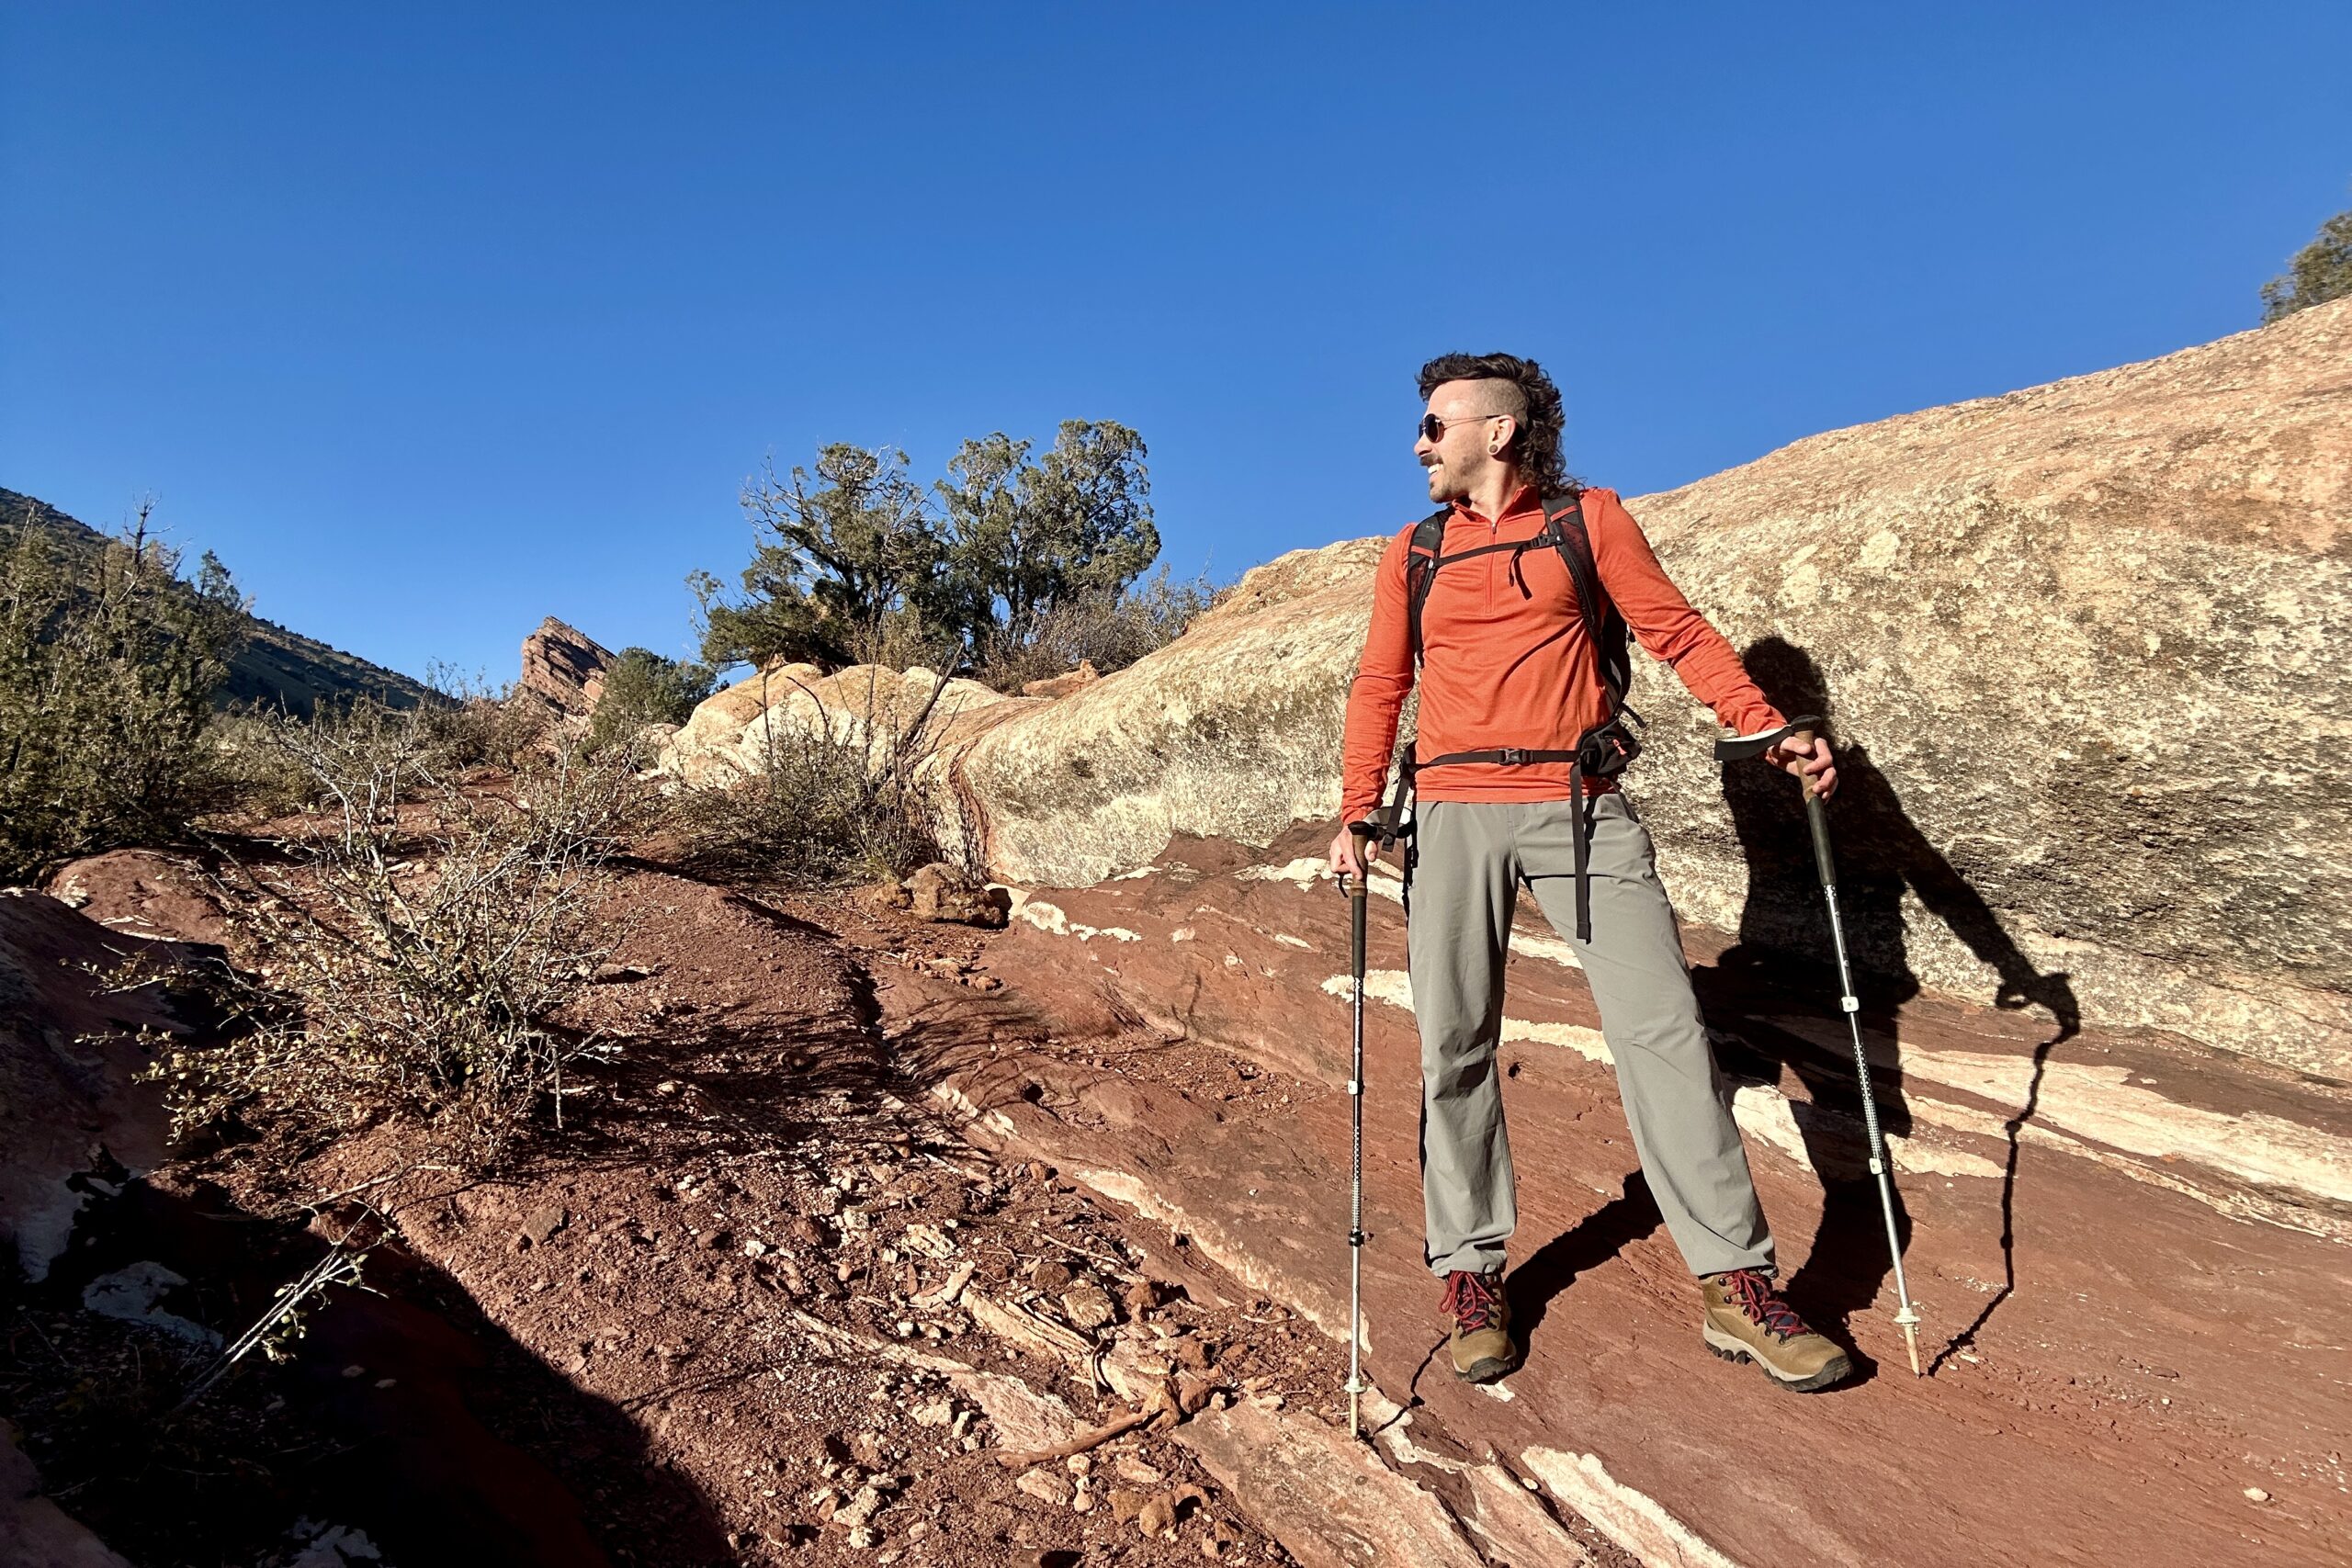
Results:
x,y
2078,642
564,668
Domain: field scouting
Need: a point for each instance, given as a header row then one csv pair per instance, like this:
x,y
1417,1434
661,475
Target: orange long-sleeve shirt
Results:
x,y
1503,669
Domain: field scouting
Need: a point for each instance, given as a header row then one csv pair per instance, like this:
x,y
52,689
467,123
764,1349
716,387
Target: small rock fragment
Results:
x,y
1088,1307
2256,1495
884,896
1158,1516
1132,1468
544,1222
927,1241
1044,1485
860,1509
1193,1391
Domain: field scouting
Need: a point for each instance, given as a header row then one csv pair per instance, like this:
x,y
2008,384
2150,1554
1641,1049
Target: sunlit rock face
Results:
x,y
2087,642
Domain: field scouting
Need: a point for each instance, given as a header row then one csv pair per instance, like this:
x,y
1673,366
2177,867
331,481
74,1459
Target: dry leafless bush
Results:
x,y
830,803
1110,631
478,725
411,944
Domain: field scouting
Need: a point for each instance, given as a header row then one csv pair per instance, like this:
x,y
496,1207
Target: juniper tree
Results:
x,y
840,548
108,662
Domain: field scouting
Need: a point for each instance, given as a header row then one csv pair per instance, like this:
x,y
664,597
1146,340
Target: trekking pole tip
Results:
x,y
1909,1320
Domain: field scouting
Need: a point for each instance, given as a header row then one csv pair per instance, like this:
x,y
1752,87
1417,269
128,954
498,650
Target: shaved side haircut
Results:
x,y
1524,392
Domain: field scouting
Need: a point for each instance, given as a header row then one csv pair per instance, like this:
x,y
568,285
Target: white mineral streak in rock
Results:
x,y
1546,947
1768,1114
1586,1043
1394,987
1520,1529
1327,1497
1305,871
1633,1519
2097,1101
1050,917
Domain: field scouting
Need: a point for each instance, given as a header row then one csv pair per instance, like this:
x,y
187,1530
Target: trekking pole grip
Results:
x,y
1357,891
1818,820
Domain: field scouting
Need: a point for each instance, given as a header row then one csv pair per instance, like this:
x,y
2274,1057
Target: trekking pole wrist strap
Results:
x,y
1732,749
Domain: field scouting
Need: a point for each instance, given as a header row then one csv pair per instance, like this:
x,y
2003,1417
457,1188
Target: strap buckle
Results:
x,y
1514,756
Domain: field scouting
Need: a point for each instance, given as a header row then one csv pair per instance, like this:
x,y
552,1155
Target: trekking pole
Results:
x,y
1818,820
1356,891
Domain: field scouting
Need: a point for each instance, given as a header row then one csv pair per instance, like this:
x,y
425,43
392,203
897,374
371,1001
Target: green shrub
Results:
x,y
107,667
2321,271
644,688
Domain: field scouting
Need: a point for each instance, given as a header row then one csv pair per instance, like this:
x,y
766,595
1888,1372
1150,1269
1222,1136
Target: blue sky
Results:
x,y
435,320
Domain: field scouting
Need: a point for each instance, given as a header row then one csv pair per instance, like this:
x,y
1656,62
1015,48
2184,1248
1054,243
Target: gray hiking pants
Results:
x,y
1470,858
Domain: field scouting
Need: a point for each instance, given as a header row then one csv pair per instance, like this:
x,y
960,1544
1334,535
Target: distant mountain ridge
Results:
x,y
277,666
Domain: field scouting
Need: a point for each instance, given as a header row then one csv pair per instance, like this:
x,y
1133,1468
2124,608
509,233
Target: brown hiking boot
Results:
x,y
1747,1321
1481,1344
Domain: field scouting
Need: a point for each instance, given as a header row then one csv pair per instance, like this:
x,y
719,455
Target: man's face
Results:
x,y
1478,422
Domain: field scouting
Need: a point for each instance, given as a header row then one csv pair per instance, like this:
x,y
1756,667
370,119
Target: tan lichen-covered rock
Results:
x,y
2081,642
728,736
1231,731
1062,685
2088,639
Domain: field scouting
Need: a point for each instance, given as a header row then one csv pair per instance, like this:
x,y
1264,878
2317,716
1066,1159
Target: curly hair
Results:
x,y
1535,447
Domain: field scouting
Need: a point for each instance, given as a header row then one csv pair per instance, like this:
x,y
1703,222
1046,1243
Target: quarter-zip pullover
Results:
x,y
1506,661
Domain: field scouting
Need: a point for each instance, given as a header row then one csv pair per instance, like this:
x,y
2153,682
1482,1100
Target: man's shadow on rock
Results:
x,y
1582,1247
1786,956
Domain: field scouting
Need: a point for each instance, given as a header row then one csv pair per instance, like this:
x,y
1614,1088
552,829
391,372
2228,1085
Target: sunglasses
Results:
x,y
1432,428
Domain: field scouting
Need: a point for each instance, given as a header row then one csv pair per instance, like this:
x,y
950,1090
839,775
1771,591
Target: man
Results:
x,y
1509,662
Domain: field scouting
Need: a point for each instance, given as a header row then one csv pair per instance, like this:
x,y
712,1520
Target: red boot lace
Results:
x,y
1756,1297
1469,1300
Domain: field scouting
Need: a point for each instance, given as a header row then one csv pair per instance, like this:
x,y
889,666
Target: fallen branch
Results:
x,y
1094,1437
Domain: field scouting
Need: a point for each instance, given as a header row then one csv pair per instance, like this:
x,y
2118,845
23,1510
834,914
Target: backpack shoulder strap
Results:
x,y
1564,520
1420,569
